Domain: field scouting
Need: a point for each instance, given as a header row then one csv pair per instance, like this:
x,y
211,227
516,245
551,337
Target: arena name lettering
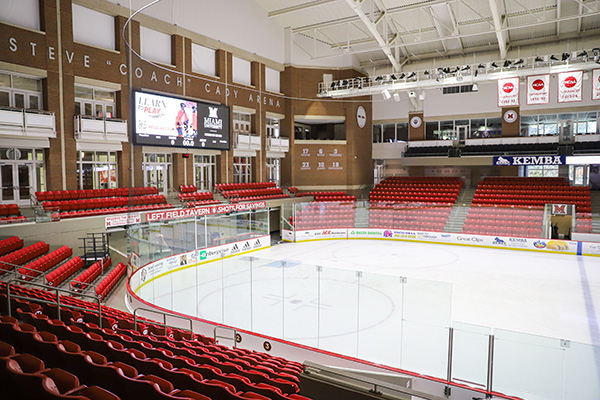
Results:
x,y
529,160
202,211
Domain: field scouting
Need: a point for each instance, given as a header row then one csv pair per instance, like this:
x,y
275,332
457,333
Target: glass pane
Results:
x,y
7,182
389,133
19,100
376,133
40,175
402,132
103,95
39,155
102,157
431,130
470,347
35,85
24,181
494,126
88,109
301,286
529,125
99,110
4,99
84,93
87,179
113,157
34,102
77,108
582,371
237,292
109,112
87,155
477,128
527,366
4,80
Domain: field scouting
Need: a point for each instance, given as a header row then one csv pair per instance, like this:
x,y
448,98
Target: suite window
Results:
x,y
274,170
95,102
20,91
317,131
539,171
389,133
97,169
242,169
242,122
273,126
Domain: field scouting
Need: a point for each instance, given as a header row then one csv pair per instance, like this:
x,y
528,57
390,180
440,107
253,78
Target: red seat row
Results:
x,y
238,186
109,282
13,220
264,197
202,203
10,244
9,209
293,189
322,194
56,195
187,189
23,255
84,279
344,198
45,262
195,196
62,273
251,192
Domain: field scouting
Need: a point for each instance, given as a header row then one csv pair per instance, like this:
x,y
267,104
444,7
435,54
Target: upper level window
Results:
x,y
94,102
20,91
242,122
272,127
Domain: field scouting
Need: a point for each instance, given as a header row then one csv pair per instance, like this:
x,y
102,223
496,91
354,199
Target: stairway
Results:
x,y
361,217
595,197
458,215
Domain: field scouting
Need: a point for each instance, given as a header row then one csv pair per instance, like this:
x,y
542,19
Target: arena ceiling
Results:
x,y
391,33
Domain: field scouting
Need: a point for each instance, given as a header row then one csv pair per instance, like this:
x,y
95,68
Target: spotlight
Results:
x,y
519,62
393,77
596,53
565,56
481,66
396,96
412,75
379,78
475,87
422,96
583,54
386,94
332,85
539,59
446,70
476,72
437,79
507,64
466,68
494,64
426,73
553,58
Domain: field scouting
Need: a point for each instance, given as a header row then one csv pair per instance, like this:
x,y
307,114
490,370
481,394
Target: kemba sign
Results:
x,y
508,92
538,89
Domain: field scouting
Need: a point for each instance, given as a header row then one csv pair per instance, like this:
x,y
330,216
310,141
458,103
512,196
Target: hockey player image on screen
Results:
x,y
181,122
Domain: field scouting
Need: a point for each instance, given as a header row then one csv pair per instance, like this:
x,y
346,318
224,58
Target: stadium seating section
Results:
x,y
318,215
45,263
105,358
85,203
10,214
64,272
108,283
417,190
328,196
398,216
88,276
10,244
23,255
502,220
236,192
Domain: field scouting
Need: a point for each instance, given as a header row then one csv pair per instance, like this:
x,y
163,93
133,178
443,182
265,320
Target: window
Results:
x,y
332,131
97,169
274,170
376,133
242,169
20,91
94,102
241,71
242,122
203,60
538,171
272,127
93,27
389,133
204,171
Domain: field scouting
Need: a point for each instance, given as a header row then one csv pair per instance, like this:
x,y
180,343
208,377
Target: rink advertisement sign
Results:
x,y
121,220
316,234
507,161
202,211
192,258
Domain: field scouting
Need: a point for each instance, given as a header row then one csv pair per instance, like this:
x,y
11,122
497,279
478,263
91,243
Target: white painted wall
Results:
x,y
240,23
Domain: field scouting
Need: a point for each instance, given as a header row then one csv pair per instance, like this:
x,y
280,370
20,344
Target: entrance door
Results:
x,y
16,182
204,177
155,175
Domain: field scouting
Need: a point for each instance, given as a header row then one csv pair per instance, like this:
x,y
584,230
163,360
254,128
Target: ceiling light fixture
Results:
x,y
386,94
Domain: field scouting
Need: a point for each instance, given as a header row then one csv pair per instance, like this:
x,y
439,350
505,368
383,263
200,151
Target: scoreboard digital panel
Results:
x,y
176,122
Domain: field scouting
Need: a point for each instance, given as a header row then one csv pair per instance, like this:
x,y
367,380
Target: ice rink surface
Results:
x,y
539,293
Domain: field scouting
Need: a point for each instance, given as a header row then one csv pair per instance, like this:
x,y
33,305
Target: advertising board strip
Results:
x,y
202,211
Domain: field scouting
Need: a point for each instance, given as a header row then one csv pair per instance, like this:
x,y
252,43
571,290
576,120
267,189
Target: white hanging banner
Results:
x,y
570,86
596,84
538,89
508,92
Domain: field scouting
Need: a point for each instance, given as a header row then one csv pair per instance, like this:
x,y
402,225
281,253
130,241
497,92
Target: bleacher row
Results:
x,y
34,260
402,217
56,195
324,215
116,361
99,203
423,190
500,220
10,214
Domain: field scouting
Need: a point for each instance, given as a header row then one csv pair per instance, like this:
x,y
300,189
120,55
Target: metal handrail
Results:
x,y
57,302
216,336
164,324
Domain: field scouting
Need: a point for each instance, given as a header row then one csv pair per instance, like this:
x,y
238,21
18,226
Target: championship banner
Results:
x,y
570,86
596,84
538,89
508,92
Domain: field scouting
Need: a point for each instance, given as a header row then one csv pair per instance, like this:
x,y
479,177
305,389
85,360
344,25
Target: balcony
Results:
x,y
280,144
246,141
27,124
97,129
